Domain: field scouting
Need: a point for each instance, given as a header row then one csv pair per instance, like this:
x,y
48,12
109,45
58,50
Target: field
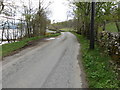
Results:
x,y
111,27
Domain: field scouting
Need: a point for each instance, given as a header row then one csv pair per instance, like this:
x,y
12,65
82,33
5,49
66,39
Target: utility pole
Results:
x,y
92,38
39,5
119,11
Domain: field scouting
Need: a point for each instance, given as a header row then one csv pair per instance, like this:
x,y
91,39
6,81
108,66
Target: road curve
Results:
x,y
53,64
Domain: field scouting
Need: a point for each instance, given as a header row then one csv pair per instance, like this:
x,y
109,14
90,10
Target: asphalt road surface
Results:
x,y
50,64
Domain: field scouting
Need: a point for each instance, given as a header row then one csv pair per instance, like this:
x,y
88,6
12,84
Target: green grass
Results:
x,y
96,63
8,48
53,35
111,27
66,29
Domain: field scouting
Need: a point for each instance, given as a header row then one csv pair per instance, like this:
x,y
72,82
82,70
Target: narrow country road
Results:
x,y
50,64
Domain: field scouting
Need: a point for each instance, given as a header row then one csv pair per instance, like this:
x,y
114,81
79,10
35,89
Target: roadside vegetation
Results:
x,y
100,73
11,47
100,41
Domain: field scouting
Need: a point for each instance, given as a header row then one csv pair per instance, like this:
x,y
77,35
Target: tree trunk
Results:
x,y
28,31
2,34
104,24
96,32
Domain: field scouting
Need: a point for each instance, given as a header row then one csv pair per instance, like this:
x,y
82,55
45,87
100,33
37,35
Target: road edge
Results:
x,y
83,74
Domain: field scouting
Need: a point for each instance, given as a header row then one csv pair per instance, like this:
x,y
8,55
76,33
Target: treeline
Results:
x,y
105,12
61,25
31,23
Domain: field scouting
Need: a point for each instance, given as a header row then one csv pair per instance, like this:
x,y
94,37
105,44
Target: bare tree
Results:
x,y
1,6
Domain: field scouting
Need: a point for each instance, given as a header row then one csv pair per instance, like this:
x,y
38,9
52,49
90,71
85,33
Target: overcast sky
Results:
x,y
58,8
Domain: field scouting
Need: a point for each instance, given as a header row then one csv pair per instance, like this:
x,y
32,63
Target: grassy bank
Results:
x,y
8,48
110,27
98,70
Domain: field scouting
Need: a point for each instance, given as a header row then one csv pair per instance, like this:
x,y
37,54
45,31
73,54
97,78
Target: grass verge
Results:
x,y
8,48
98,70
67,29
